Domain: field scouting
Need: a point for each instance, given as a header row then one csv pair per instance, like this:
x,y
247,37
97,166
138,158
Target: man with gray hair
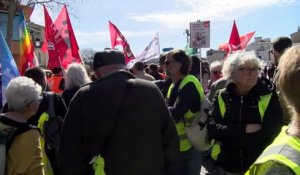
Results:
x,y
138,71
110,120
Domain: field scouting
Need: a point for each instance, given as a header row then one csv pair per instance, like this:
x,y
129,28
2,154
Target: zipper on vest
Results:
x,y
241,151
241,102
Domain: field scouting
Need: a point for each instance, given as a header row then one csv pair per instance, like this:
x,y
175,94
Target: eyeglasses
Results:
x,y
169,62
248,70
216,72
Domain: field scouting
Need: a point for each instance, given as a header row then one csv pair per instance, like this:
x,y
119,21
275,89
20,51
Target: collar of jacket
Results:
x,y
262,87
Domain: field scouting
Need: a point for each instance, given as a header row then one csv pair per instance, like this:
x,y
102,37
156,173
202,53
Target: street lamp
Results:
x,y
187,32
37,42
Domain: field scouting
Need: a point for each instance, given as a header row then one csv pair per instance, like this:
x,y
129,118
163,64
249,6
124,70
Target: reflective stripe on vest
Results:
x,y
284,149
262,104
262,107
188,116
47,165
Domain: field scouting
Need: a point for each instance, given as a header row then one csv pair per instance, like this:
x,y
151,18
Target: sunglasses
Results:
x,y
169,62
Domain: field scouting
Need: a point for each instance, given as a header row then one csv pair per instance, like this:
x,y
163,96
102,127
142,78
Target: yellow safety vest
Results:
x,y
188,116
48,168
262,107
285,149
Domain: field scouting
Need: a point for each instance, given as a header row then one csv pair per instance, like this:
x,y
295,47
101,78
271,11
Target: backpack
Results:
x,y
7,134
51,124
197,131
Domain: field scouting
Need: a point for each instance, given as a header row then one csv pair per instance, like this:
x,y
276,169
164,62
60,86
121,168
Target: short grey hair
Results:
x,y
76,76
20,92
237,59
215,64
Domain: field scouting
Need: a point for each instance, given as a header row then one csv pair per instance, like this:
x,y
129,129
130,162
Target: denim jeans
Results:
x,y
189,163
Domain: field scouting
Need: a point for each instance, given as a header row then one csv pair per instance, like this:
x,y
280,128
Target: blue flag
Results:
x,y
9,68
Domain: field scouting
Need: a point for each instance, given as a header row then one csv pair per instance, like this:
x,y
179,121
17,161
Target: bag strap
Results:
x,y
98,161
51,110
116,116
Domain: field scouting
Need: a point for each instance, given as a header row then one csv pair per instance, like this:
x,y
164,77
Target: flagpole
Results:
x,y
60,63
200,73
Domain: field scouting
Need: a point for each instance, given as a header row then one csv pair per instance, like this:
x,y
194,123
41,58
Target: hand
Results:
x,y
251,128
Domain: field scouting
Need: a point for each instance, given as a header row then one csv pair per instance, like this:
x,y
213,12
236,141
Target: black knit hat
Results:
x,y
108,57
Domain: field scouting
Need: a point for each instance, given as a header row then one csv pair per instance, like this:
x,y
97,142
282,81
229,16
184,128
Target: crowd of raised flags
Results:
x,y
61,45
60,41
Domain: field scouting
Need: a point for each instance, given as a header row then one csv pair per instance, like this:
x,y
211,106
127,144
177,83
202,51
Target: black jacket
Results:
x,y
137,138
68,94
239,149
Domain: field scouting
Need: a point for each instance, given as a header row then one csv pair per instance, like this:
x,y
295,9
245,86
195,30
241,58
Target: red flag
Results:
x,y
118,39
63,24
56,44
234,40
244,41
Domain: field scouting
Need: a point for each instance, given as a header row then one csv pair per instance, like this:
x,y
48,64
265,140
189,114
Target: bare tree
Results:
x,y
87,56
13,5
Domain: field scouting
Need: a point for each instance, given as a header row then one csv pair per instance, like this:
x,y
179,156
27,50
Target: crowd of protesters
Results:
x,y
132,121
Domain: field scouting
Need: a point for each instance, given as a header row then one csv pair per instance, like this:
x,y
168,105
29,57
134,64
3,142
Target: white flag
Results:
x,y
151,51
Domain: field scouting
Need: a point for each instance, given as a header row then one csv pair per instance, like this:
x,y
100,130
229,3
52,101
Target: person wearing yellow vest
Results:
x,y
283,155
244,117
183,99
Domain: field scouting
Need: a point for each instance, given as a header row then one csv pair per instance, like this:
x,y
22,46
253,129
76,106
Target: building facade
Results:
x,y
36,32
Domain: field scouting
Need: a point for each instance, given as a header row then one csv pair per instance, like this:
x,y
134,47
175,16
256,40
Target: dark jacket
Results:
x,y
137,137
68,94
239,149
59,106
163,85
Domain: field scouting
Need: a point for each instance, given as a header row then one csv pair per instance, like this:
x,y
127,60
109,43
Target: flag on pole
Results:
x,y
8,67
26,47
234,40
63,24
151,51
118,39
244,41
55,45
